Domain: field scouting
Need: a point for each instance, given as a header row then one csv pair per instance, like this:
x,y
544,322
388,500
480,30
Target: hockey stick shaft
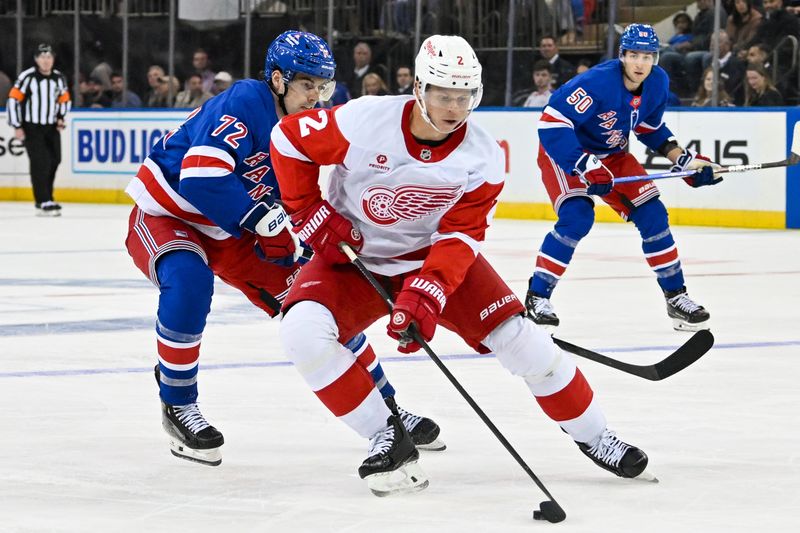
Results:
x,y
351,255
793,159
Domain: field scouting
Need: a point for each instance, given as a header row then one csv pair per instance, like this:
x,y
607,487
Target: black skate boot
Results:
x,y
686,315
424,431
191,437
540,310
391,467
610,453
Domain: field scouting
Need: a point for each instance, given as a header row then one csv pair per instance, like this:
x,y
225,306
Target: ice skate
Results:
x,y
391,466
191,437
48,209
610,453
685,313
424,431
540,310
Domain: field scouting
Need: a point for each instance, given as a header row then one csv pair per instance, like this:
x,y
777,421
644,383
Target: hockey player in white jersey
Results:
x,y
412,191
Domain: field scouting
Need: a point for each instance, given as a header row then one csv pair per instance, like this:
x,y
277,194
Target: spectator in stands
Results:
x,y
404,80
373,85
201,63
760,92
222,80
154,75
684,63
777,24
542,80
682,40
5,87
759,55
118,89
362,65
793,7
731,69
583,65
193,96
742,25
703,96
95,96
161,94
562,70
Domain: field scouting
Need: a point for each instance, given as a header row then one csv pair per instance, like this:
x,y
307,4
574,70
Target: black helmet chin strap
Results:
x,y
281,103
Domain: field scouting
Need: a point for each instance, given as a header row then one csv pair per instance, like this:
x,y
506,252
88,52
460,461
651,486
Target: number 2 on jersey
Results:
x,y
580,100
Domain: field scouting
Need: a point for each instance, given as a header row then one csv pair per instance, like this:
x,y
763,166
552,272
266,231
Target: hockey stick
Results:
x,y
688,353
550,510
793,159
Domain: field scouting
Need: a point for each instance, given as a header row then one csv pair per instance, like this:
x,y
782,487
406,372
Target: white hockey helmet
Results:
x,y
448,61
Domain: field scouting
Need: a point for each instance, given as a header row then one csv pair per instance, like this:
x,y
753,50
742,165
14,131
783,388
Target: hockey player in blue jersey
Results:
x,y
583,134
208,203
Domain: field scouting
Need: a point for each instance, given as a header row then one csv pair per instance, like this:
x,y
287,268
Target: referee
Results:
x,y
37,104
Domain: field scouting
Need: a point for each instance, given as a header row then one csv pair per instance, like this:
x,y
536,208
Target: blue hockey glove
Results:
x,y
691,160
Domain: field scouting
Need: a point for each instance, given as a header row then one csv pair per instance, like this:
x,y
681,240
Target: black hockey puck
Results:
x,y
550,511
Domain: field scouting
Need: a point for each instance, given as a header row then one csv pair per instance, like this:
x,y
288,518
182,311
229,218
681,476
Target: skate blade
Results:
x,y
681,325
210,457
437,445
648,476
408,478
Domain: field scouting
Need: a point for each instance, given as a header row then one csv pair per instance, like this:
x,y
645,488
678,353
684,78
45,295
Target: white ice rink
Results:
x,y
81,446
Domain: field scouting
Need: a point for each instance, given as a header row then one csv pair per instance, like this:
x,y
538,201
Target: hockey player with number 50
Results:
x,y
207,203
583,134
412,192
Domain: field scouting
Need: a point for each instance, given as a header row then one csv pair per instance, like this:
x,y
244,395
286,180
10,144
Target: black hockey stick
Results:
x,y
549,510
692,350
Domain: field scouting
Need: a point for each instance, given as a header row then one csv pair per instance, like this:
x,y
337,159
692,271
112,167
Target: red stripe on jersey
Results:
x,y
178,356
164,200
204,161
367,357
550,266
642,129
348,391
546,117
570,402
657,261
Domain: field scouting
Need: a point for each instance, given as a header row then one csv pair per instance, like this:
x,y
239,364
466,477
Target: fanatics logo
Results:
x,y
425,154
386,206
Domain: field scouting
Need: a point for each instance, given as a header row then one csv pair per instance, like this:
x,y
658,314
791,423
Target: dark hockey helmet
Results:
x,y
639,37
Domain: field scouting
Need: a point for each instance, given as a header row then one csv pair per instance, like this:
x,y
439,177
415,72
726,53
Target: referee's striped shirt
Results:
x,y
38,99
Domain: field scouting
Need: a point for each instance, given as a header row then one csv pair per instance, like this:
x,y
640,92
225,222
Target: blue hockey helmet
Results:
x,y
296,51
639,37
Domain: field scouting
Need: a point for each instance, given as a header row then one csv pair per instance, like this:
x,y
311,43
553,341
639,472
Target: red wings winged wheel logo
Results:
x,y
386,206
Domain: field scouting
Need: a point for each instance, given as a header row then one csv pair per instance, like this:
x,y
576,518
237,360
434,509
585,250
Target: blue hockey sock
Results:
x,y
660,251
575,219
186,284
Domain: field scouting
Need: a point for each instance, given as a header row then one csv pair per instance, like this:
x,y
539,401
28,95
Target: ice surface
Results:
x,y
81,447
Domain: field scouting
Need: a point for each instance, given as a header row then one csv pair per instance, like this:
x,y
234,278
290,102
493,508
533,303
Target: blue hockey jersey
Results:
x,y
214,167
595,113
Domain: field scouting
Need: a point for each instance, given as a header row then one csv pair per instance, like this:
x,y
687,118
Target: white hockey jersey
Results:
x,y
417,206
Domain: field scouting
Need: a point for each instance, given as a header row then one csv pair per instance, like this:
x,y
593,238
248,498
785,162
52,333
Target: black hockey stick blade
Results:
x,y
692,350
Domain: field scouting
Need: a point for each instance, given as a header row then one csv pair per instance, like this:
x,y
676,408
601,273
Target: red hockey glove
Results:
x,y
598,179
275,240
323,229
420,302
691,160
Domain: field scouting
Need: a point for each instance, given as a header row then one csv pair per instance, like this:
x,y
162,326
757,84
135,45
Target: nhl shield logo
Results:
x,y
425,154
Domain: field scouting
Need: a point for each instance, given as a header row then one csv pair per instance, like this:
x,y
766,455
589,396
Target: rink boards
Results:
x,y
102,149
